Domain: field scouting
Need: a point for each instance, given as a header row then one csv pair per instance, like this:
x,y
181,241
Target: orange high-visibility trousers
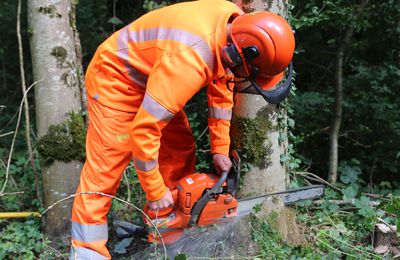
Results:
x,y
108,152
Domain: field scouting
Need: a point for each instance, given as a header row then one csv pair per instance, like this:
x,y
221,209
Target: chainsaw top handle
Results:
x,y
209,194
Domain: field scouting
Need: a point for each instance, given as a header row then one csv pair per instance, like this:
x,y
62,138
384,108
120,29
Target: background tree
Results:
x,y
57,103
370,76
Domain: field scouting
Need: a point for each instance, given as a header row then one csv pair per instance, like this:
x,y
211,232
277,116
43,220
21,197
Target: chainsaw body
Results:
x,y
200,199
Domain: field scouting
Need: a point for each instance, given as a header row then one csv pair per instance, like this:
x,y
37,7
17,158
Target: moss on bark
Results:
x,y
50,10
65,141
251,138
60,53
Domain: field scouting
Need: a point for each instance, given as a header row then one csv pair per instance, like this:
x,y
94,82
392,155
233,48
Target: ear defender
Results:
x,y
234,55
234,59
250,52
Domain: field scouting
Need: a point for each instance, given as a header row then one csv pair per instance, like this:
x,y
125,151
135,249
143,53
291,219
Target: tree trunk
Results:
x,y
267,173
57,94
337,108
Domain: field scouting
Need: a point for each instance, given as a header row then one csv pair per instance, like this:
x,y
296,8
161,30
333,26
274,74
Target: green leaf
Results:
x,y
365,209
350,174
394,206
350,192
362,202
333,207
330,194
180,257
115,20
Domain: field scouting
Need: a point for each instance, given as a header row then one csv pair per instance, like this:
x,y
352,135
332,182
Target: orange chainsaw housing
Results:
x,y
171,222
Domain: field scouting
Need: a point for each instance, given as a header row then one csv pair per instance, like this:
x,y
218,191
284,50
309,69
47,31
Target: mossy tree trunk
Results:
x,y
266,172
55,65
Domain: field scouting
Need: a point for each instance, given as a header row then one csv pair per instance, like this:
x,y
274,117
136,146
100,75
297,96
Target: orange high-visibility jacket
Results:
x,y
154,66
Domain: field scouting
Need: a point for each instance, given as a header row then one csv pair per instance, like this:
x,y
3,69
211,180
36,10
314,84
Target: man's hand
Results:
x,y
222,162
165,202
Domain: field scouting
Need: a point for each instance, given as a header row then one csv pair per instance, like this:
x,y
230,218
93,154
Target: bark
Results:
x,y
337,108
272,175
58,93
80,74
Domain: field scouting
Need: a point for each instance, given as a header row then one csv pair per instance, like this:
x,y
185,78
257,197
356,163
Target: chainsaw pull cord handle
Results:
x,y
209,194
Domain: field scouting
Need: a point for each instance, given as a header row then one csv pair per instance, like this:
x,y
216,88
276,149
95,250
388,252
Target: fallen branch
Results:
x,y
393,229
55,250
344,202
202,133
317,178
12,193
128,186
9,133
377,196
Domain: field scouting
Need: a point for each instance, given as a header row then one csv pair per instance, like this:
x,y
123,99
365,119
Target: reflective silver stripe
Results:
x,y
144,166
155,109
194,41
219,113
89,233
81,253
136,76
173,34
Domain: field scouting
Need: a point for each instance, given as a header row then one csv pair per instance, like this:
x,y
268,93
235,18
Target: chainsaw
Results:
x,y
204,199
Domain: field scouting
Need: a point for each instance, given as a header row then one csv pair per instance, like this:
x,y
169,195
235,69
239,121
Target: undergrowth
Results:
x,y
340,226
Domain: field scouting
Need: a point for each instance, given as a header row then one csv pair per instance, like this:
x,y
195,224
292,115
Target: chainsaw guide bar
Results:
x,y
289,197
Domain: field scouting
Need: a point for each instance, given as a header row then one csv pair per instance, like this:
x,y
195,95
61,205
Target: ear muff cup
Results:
x,y
234,54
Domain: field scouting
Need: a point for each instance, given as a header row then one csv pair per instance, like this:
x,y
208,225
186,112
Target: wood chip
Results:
x,y
385,228
381,250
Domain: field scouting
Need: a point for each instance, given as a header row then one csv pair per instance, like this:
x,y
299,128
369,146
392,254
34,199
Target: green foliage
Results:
x,y
350,174
345,230
21,240
150,5
370,126
180,257
271,243
137,198
20,179
286,125
394,208
197,112
115,20
65,141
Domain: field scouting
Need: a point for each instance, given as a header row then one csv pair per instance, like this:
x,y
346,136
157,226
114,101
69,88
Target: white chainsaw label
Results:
x,y
161,221
189,180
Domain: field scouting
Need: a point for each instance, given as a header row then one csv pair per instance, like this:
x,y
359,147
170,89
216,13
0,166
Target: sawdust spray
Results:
x,y
217,241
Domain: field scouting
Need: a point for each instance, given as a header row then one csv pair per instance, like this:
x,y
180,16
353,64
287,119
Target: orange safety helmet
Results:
x,y
261,48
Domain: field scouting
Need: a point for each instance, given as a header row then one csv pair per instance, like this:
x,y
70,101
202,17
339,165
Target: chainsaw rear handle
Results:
x,y
209,194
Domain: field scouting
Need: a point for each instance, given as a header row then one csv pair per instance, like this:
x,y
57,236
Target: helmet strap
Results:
x,y
275,96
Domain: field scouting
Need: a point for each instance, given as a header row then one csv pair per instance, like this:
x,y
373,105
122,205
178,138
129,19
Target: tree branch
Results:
x,y
15,135
26,103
